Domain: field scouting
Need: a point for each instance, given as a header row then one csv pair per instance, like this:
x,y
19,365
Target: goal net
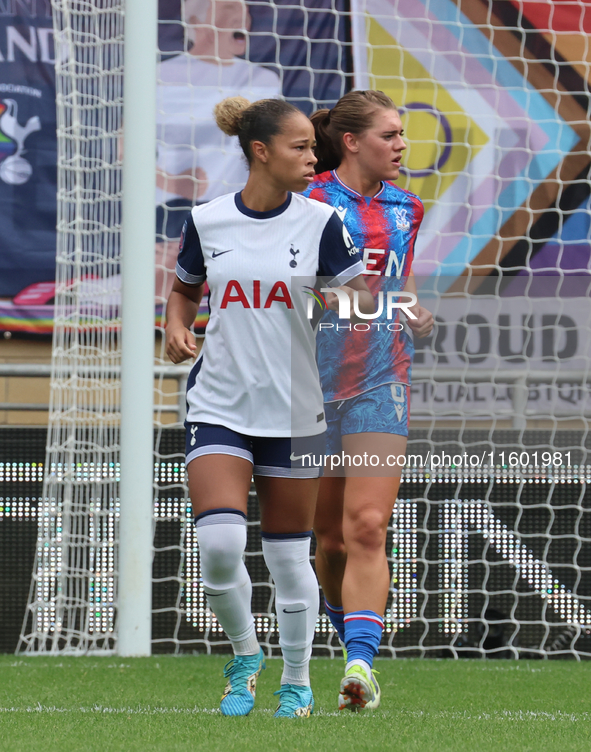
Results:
x,y
72,599
490,539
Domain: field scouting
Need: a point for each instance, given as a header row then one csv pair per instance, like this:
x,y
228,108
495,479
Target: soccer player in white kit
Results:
x,y
245,413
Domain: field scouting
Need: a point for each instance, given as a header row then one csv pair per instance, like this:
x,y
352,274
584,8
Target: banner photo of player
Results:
x,y
195,161
209,50
229,48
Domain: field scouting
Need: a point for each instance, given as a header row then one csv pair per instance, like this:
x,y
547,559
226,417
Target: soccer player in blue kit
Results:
x,y
244,415
365,376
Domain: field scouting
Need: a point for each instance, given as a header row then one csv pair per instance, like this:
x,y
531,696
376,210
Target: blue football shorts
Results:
x,y
301,457
380,410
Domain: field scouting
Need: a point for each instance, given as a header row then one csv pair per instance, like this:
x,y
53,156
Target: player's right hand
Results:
x,y
180,344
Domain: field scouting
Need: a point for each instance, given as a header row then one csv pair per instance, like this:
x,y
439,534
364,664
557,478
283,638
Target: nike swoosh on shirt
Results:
x,y
215,254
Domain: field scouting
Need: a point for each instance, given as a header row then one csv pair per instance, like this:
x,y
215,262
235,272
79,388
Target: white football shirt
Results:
x,y
257,373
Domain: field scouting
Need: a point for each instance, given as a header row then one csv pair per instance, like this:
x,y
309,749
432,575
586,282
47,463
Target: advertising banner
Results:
x,y
28,166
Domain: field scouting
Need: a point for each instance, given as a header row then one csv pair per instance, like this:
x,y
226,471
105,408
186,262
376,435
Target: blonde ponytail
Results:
x,y
228,114
259,121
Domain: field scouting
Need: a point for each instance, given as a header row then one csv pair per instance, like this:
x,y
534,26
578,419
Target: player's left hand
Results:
x,y
422,326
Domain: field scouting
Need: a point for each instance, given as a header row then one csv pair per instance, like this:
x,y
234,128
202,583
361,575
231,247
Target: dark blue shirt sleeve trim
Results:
x,y
338,256
190,267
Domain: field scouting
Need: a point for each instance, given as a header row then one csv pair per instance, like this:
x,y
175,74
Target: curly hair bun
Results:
x,y
228,114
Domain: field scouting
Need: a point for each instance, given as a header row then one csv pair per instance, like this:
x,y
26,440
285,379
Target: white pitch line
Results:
x,y
498,715
115,711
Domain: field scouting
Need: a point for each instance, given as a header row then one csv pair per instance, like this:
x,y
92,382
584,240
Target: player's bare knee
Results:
x,y
367,530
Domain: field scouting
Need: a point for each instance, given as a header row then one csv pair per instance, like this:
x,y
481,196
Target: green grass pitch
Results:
x,y
170,703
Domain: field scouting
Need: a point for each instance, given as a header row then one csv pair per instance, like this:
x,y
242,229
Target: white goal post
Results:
x,y
134,616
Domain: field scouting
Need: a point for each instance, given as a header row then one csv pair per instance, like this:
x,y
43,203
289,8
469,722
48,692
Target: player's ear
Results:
x,y
259,151
350,142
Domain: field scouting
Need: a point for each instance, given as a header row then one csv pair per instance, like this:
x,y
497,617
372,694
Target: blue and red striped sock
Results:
x,y
363,634
336,616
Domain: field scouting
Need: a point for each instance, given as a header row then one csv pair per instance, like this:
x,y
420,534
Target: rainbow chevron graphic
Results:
x,y
483,138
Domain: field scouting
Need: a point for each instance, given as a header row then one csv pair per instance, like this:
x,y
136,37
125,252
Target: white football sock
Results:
x,y
226,582
297,601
